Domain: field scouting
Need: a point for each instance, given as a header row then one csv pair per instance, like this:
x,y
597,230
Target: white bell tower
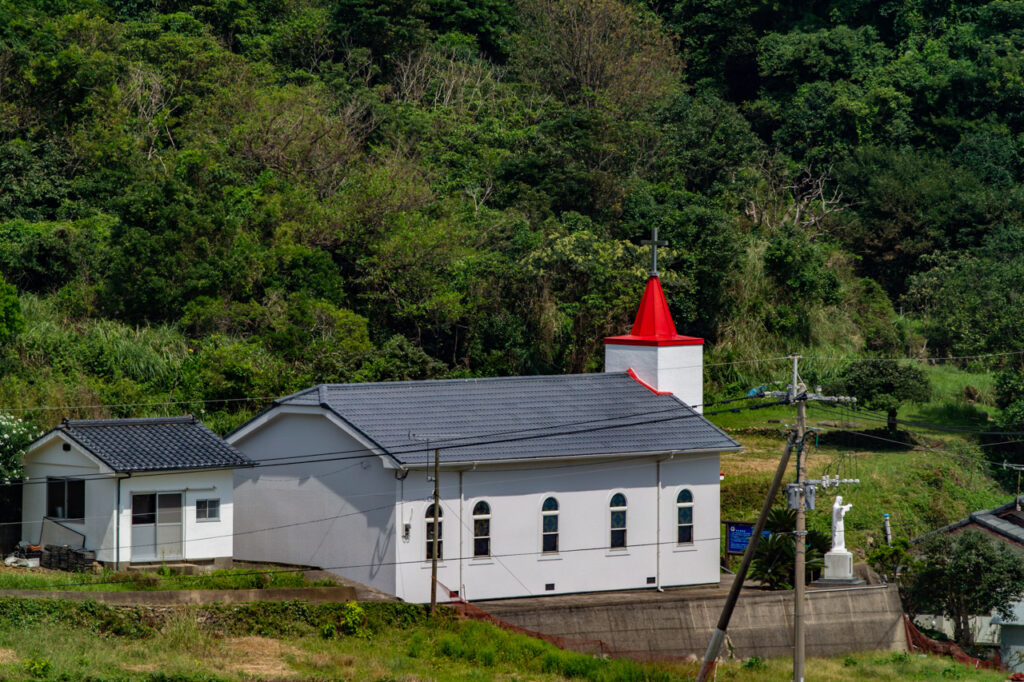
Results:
x,y
653,352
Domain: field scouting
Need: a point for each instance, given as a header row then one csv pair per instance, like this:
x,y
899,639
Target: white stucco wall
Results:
x,y
201,540
584,562
49,459
337,514
676,369
346,513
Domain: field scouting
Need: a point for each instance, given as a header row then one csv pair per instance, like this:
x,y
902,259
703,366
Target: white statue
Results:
x,y
838,533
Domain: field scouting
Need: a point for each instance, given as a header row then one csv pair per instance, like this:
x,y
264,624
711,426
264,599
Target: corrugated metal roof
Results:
x,y
513,418
153,444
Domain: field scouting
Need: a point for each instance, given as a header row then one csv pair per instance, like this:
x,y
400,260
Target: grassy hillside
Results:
x,y
923,477
189,645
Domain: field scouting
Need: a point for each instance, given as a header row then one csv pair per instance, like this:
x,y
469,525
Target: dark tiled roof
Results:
x,y
517,417
994,520
153,444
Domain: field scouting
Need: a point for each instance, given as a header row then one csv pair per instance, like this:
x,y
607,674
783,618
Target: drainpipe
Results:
x,y
657,538
117,528
462,560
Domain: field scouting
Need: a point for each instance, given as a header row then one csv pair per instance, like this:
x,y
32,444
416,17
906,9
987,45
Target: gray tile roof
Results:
x,y
153,444
991,519
517,417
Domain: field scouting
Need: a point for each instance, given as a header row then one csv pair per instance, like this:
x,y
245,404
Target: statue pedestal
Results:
x,y
838,570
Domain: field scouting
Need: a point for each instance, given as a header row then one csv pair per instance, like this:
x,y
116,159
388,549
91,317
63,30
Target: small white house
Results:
x,y
548,484
133,490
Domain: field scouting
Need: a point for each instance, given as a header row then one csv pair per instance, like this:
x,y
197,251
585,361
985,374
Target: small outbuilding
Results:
x,y
133,490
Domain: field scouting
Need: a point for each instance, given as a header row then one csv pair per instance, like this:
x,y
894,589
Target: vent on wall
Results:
x,y
651,580
549,587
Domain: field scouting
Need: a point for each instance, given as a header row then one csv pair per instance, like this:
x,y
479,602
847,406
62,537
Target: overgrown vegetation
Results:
x,y
207,201
56,640
963,575
110,580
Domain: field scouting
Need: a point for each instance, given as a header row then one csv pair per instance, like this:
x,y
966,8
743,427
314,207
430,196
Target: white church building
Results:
x,y
548,484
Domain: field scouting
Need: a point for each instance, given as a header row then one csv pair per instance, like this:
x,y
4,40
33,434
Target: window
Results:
x,y
430,533
143,509
618,525
207,510
684,521
549,525
482,529
65,498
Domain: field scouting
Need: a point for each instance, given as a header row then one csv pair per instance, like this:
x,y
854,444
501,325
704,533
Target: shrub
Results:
x,y
38,667
353,620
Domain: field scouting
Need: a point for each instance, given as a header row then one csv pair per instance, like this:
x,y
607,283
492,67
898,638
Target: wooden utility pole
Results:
x,y
798,394
711,655
801,526
437,530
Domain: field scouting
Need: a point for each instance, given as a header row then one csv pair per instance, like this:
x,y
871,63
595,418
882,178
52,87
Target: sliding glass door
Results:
x,y
157,527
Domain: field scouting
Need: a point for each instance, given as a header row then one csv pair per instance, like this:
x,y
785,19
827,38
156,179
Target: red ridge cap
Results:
x,y
653,325
646,385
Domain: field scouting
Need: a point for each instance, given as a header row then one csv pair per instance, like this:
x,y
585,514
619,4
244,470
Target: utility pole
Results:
x,y
801,527
711,655
437,530
798,394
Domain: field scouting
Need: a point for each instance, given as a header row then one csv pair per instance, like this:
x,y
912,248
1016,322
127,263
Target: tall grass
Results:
x,y
119,581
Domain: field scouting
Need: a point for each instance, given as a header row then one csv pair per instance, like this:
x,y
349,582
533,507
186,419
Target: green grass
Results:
x,y
162,579
189,645
877,665
920,490
940,481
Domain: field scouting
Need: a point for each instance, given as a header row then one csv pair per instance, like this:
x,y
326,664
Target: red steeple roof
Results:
x,y
653,325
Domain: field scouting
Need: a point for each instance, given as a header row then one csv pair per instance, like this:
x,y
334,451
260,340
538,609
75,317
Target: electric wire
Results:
x,y
420,562
421,447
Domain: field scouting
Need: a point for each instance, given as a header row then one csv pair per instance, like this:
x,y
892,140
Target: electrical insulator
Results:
x,y
809,491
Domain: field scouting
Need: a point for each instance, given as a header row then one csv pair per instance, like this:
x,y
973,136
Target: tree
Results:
x,y
964,575
596,51
773,563
12,321
882,385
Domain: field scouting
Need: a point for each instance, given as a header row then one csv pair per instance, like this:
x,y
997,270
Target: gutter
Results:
x,y
471,464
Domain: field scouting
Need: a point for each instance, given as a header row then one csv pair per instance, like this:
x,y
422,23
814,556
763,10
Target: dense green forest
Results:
x,y
208,200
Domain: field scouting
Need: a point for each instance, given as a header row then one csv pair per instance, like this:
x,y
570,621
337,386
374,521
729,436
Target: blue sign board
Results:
x,y
737,536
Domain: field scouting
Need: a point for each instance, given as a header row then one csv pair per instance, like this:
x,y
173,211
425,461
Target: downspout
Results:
x,y
657,539
462,560
117,528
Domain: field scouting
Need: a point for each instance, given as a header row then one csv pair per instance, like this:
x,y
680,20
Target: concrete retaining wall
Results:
x,y
680,623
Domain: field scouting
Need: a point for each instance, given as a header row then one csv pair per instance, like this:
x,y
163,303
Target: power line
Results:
x,y
412,447
877,416
460,557
548,472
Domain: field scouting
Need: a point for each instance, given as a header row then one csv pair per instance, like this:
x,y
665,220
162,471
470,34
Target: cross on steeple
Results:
x,y
653,241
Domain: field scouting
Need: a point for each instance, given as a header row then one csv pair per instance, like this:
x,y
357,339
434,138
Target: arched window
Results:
x,y
684,517
618,525
549,525
482,529
430,533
